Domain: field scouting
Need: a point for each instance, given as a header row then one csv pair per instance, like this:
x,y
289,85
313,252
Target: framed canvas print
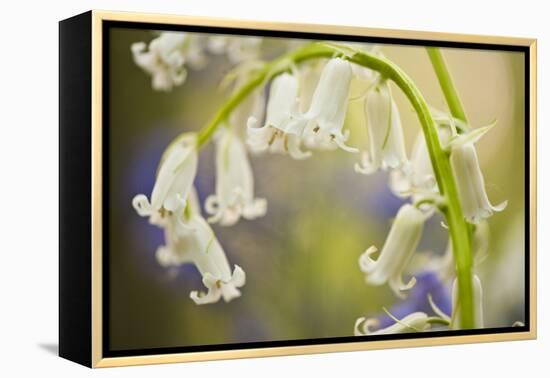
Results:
x,y
237,189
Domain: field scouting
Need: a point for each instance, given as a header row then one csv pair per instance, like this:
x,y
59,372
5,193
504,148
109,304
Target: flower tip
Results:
x,y
138,47
364,170
357,329
141,205
501,206
340,143
364,326
239,276
366,263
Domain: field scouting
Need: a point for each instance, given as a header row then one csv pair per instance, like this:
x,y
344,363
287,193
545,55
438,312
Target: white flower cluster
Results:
x,y
166,57
174,206
416,179
305,111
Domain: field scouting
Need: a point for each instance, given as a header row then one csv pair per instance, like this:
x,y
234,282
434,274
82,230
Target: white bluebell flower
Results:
x,y
397,252
166,56
197,244
469,178
175,177
234,183
386,141
322,124
276,135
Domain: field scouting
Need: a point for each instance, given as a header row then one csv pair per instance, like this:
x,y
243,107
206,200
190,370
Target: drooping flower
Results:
x,y
477,300
237,49
469,178
234,183
175,177
196,243
166,56
386,141
309,75
419,178
322,124
398,249
415,322
276,134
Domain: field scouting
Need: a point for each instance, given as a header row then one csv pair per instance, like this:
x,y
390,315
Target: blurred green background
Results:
x,y
303,279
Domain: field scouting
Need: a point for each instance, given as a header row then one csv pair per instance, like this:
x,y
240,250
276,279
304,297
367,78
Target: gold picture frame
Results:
x,y
91,328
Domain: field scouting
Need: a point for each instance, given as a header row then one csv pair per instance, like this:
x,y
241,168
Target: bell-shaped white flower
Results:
x,y
309,76
398,250
322,124
386,141
478,304
276,135
234,183
165,58
237,49
418,178
196,243
415,322
175,177
469,178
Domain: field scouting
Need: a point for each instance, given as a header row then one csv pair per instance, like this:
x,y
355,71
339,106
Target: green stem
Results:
x,y
446,83
457,112
437,320
458,227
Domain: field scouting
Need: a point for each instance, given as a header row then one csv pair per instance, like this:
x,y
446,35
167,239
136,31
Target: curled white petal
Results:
x,y
142,206
218,288
364,325
367,166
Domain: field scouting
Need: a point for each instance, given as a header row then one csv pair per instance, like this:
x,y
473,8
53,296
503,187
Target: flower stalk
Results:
x,y
439,157
446,83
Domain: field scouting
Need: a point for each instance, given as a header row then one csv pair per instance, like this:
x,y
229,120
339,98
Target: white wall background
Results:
x,y
29,189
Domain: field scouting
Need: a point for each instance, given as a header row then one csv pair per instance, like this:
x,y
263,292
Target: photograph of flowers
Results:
x,y
281,189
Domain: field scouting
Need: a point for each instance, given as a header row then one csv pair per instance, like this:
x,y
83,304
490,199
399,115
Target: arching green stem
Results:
x,y
446,83
458,227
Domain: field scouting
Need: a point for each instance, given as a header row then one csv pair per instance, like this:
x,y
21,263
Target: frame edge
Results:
x,y
99,16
